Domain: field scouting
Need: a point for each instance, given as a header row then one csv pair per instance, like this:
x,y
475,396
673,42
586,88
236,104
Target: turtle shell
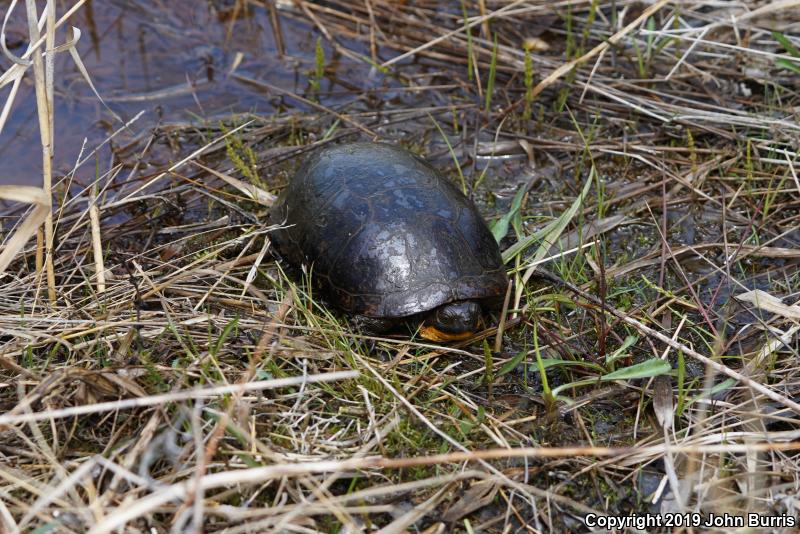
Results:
x,y
385,234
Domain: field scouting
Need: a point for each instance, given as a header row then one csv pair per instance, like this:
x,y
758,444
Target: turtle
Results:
x,y
389,240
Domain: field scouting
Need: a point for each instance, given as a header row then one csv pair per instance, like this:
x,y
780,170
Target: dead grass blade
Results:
x,y
43,79
255,193
29,225
602,47
155,400
769,303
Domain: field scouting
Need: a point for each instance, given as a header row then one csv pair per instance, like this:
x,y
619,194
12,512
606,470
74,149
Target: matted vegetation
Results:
x,y
178,378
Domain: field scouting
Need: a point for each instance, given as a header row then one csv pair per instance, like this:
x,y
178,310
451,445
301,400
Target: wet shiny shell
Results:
x,y
384,233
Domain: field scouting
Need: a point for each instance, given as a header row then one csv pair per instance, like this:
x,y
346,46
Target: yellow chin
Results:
x,y
432,333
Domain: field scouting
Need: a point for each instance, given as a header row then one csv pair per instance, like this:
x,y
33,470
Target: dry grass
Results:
x,y
183,382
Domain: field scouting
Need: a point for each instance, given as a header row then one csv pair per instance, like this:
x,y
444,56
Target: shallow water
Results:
x,y
170,60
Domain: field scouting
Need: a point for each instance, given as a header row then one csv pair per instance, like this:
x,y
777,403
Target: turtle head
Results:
x,y
452,321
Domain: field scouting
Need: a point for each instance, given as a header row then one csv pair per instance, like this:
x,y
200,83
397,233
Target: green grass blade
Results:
x,y
512,363
547,363
492,73
620,352
452,154
500,227
555,230
719,388
788,65
786,43
654,367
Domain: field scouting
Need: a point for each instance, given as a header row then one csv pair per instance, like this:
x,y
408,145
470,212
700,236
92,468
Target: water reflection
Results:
x,y
169,59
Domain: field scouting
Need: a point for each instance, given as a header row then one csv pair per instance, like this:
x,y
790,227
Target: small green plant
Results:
x,y
547,393
319,67
513,216
771,195
749,168
640,62
588,27
690,144
646,369
488,358
186,342
651,28
563,93
526,114
242,156
683,392
470,49
791,50
571,46
469,422
28,360
643,56
454,114
492,73
511,364
453,154
211,368
621,352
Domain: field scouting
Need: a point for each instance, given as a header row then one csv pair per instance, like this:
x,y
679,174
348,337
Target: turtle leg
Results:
x,y
373,325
